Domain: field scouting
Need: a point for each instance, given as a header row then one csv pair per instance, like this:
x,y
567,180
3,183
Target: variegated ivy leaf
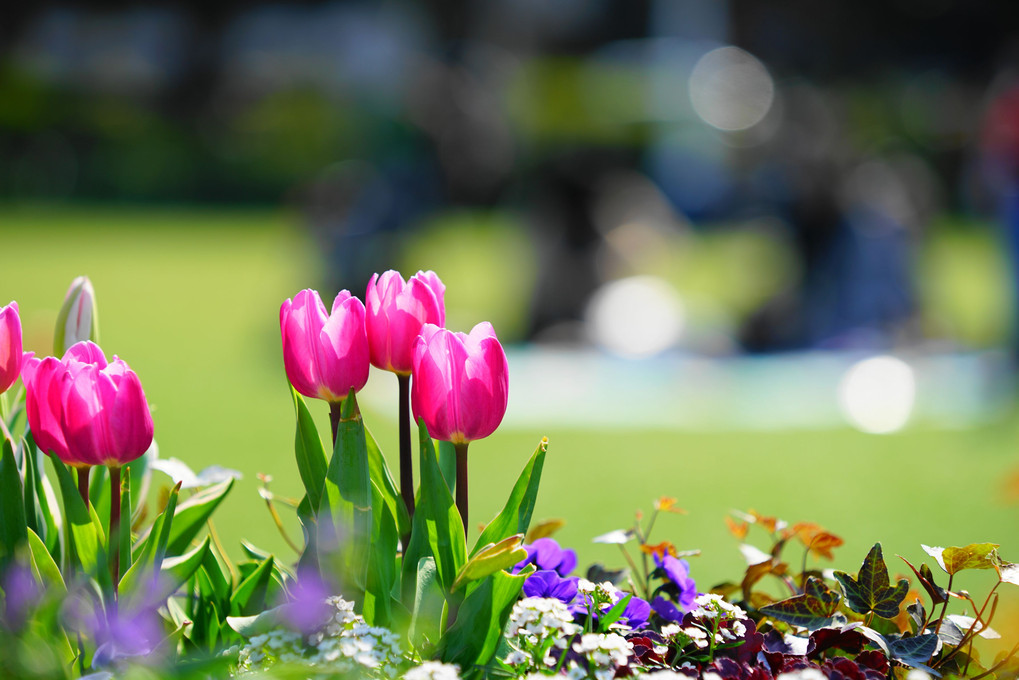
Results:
x,y
871,590
812,610
973,556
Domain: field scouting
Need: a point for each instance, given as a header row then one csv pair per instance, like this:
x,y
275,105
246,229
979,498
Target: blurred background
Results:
x,y
727,243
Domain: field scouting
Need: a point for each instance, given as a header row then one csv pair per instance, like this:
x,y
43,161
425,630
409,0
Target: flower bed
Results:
x,y
93,585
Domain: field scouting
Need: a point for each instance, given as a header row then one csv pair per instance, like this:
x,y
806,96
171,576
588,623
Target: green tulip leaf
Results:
x,y
490,559
44,568
150,551
13,527
88,540
189,517
381,477
345,513
515,517
475,635
446,454
251,592
428,604
437,527
311,456
45,498
973,556
813,609
871,590
382,572
179,569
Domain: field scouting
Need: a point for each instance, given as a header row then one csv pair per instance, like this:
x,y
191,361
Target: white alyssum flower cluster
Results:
x,y
344,643
433,670
719,618
536,626
603,653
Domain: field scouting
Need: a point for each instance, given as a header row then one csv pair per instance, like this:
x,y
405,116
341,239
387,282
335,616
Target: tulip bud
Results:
x,y
78,319
460,383
10,345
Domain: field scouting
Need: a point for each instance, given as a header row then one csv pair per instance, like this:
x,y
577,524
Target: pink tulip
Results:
x,y
85,410
10,346
460,382
394,314
325,355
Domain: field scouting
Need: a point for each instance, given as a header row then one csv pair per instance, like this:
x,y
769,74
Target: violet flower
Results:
x,y
680,586
545,554
547,583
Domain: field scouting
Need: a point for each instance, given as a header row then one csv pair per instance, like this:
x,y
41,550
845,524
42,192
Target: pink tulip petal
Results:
x,y
130,421
86,352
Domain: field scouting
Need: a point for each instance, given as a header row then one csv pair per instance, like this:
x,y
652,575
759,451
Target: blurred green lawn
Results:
x,y
190,299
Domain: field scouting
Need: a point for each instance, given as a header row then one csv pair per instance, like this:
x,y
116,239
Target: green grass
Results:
x,y
190,299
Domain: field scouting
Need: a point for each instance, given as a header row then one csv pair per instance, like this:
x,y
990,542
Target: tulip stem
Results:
x,y
115,528
461,482
334,418
83,484
406,457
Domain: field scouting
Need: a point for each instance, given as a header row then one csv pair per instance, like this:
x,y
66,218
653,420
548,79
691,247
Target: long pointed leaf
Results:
x,y
250,593
477,631
515,517
437,529
13,529
43,565
382,478
87,539
311,456
345,517
382,572
190,516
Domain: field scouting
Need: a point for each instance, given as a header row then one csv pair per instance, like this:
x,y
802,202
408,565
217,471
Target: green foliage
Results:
x,y
812,609
13,527
515,517
871,590
345,511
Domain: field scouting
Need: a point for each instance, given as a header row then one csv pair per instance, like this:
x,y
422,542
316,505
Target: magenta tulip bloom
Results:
x,y
85,410
10,346
460,382
394,314
325,354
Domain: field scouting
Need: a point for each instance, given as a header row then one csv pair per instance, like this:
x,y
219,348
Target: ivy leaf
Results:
x,y
871,590
938,594
914,651
811,610
973,556
1007,572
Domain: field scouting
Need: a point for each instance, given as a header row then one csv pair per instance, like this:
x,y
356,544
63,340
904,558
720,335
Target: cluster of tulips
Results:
x,y
89,411
457,383
81,408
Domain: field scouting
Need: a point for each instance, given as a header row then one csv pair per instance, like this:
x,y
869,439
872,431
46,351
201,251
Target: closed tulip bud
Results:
x,y
325,354
460,382
78,319
11,356
395,312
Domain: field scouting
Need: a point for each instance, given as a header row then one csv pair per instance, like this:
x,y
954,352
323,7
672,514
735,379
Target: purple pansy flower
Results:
x,y
545,554
547,583
685,591
636,613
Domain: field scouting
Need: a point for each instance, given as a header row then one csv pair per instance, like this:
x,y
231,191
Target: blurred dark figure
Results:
x,y
565,194
999,145
853,223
